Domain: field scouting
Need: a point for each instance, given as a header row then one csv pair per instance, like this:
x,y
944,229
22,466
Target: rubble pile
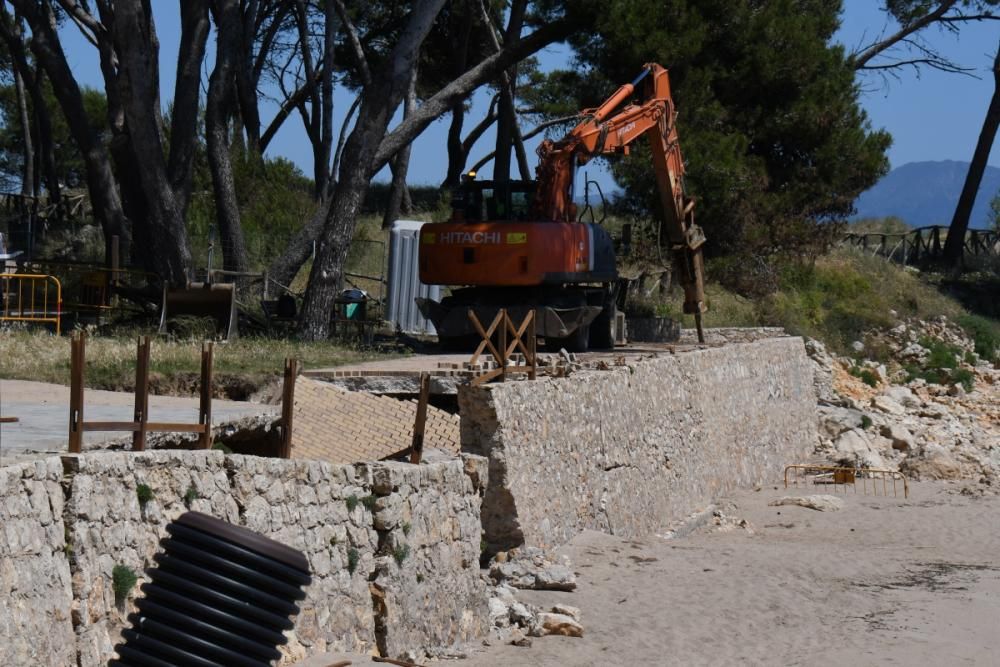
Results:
x,y
917,398
529,568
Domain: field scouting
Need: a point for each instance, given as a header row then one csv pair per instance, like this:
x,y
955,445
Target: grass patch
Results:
x,y
123,580
865,375
353,558
352,502
401,553
369,502
111,360
144,493
985,333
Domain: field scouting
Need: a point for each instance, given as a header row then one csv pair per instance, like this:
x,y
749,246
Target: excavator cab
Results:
x,y
482,201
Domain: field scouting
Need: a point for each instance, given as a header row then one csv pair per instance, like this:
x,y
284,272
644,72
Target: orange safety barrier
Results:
x,y
28,297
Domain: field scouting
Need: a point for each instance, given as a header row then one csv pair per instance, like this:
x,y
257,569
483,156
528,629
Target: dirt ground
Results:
x,y
882,581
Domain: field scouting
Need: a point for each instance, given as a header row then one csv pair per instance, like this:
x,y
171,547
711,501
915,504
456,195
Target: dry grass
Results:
x,y
111,361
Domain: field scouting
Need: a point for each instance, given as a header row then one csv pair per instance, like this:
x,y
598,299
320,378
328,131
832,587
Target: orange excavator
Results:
x,y
520,244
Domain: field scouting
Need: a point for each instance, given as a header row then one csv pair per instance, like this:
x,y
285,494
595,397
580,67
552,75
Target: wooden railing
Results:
x,y
923,244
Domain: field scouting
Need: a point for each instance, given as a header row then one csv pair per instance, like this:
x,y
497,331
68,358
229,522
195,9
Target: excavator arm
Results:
x,y
605,130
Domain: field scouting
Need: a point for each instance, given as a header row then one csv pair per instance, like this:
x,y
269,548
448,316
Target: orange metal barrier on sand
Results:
x,y
31,297
837,476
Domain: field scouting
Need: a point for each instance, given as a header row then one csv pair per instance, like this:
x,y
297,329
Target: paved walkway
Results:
x,y
43,411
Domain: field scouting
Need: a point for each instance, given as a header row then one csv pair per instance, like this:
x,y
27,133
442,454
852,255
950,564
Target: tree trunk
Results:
x,y
135,45
104,197
379,101
955,244
187,92
398,192
217,108
332,26
28,159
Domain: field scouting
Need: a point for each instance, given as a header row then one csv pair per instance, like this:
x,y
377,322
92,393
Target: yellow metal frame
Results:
x,y
844,476
8,314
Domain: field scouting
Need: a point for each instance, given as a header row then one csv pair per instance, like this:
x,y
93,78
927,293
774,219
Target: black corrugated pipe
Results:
x,y
219,596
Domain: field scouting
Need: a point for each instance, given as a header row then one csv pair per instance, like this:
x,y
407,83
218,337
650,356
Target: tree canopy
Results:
x,y
776,143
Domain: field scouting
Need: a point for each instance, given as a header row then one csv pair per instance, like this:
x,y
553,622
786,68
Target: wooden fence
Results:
x,y
925,244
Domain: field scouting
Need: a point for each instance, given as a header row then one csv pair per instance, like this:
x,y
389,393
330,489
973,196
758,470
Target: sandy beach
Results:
x,y
882,581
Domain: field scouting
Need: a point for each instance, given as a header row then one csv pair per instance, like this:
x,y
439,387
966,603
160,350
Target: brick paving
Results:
x,y
340,426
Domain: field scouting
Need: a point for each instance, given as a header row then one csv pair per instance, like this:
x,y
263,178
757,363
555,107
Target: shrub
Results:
x,y
400,553
985,333
144,494
191,495
369,502
866,421
865,375
353,558
352,502
964,377
123,580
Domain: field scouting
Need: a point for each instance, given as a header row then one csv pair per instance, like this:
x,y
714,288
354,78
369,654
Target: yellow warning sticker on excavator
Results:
x,y
514,238
427,237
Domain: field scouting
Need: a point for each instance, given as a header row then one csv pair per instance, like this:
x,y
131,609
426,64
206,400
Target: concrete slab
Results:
x,y
43,412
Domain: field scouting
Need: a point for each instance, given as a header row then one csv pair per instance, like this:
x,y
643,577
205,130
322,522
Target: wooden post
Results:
x,y
205,405
288,406
417,447
532,345
503,344
115,259
77,348
141,394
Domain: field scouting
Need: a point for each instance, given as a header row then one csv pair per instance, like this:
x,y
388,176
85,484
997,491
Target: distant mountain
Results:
x,y
925,193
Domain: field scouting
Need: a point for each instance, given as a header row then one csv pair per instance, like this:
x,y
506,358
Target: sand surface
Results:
x,y
882,581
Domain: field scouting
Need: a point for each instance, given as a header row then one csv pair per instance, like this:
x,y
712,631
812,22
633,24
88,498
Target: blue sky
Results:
x,y
932,116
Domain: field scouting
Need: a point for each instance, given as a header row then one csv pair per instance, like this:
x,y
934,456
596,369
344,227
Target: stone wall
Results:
x,y
393,548
35,627
629,450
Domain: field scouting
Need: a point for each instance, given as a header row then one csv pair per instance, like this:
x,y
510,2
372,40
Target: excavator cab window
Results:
x,y
476,201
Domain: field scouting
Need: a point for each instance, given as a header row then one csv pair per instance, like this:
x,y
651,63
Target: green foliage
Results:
x,y
353,558
776,143
144,494
123,580
865,375
369,502
352,502
964,377
941,355
985,333
222,448
400,553
420,578
406,528
994,214
191,495
866,421
69,162
274,198
888,225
